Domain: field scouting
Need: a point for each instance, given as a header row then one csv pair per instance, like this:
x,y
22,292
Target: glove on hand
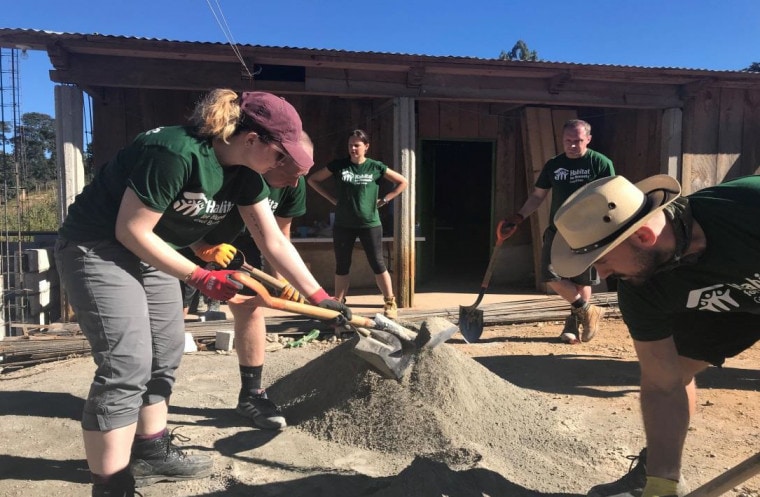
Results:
x,y
221,254
660,487
334,305
509,226
290,293
214,284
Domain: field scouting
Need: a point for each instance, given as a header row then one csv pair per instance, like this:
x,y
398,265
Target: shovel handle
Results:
x,y
492,262
264,299
263,277
728,480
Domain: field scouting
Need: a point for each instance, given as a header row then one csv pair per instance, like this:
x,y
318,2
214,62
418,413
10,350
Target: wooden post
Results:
x,y
670,149
404,140
69,144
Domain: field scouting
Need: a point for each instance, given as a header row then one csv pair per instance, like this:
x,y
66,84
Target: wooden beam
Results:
x,y
670,146
404,143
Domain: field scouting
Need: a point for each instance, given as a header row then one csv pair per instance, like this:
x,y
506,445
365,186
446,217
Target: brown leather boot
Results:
x,y
589,316
390,310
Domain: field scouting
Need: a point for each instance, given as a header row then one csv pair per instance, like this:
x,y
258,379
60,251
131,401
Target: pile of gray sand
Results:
x,y
447,410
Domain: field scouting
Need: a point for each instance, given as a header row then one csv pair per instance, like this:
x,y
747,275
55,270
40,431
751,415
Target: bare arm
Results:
x,y
397,179
664,406
315,181
276,248
534,200
285,224
134,230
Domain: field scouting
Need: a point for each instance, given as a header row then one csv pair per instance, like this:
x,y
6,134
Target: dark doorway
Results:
x,y
455,209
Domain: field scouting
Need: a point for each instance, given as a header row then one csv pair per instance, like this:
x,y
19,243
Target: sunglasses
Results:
x,y
281,154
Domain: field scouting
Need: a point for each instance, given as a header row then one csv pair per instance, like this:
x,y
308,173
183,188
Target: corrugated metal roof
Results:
x,y
400,54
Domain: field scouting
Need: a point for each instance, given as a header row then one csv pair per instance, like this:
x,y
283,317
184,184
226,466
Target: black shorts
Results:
x,y
588,278
714,336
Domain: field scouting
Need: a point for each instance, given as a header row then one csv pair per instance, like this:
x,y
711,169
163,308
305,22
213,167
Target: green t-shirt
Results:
x,y
288,202
564,175
172,172
357,189
725,278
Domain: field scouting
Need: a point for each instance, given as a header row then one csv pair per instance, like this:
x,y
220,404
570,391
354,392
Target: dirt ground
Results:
x,y
517,414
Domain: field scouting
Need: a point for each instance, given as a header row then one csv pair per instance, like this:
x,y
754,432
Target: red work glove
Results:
x,y
214,284
510,225
290,293
221,254
323,300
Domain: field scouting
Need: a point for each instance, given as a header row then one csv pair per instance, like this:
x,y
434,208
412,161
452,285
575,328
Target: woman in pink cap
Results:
x,y
118,263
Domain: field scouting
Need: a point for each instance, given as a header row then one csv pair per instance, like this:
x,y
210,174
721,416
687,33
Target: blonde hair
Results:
x,y
217,115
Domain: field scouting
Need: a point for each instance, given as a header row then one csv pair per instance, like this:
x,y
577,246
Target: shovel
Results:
x,y
387,352
425,339
470,317
728,480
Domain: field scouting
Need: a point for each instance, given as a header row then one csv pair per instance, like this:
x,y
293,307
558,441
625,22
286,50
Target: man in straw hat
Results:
x,y
689,292
562,175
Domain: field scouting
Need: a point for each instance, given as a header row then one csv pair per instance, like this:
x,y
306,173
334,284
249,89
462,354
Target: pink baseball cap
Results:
x,y
281,122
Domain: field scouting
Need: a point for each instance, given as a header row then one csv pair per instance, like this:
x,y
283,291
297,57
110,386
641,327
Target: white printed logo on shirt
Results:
x,y
718,298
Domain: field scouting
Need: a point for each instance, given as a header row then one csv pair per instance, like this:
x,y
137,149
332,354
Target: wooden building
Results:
x,y
471,134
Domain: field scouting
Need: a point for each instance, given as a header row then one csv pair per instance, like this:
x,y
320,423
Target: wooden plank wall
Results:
x,y
721,127
634,142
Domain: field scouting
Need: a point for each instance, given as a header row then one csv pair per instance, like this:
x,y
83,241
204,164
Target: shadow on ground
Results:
x,y
423,478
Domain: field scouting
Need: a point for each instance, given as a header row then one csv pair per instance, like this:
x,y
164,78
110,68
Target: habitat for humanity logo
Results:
x,y
572,176
355,179
718,298
195,204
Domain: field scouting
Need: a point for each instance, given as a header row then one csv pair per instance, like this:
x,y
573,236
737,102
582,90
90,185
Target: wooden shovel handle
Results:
x,y
492,262
728,480
264,299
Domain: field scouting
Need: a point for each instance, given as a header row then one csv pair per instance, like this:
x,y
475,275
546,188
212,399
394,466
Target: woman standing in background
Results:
x,y
357,181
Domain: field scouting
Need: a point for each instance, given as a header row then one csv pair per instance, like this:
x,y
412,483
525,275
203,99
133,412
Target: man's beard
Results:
x,y
648,263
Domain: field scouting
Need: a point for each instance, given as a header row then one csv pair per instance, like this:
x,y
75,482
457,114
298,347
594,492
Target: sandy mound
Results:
x,y
448,409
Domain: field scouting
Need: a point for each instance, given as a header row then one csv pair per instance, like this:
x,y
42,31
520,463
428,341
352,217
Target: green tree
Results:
x,y
35,142
520,52
754,67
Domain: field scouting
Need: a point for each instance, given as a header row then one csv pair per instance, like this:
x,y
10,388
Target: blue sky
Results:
x,y
697,34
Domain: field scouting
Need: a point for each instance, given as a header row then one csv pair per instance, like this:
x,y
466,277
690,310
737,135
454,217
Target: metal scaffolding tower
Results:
x,y
12,170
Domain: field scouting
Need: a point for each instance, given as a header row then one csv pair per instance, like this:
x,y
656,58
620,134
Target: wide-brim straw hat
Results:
x,y
602,214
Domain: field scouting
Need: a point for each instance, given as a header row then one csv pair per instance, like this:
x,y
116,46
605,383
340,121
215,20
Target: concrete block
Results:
x,y
190,345
224,340
39,282
38,260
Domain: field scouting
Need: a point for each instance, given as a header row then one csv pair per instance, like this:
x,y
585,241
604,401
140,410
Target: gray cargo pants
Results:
x,y
131,314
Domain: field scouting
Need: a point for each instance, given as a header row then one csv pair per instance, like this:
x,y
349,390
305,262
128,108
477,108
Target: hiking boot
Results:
x,y
390,310
262,412
631,484
589,318
122,484
160,460
570,331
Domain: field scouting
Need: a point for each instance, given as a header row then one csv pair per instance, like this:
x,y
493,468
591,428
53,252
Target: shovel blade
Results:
x,y
436,335
470,323
384,352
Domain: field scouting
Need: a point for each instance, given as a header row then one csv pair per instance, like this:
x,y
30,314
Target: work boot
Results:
x,y
589,317
122,484
261,411
570,333
390,310
631,484
160,460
